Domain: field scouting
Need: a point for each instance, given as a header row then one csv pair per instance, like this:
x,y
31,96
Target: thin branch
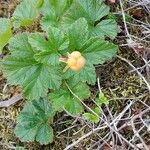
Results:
x,y
124,20
85,136
11,101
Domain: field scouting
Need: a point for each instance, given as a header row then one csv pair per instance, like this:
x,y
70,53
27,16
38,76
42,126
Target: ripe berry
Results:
x,y
75,54
75,61
71,61
80,62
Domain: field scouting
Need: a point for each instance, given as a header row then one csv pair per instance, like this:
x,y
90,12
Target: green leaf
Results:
x,y
43,50
91,117
48,51
97,51
78,34
47,57
93,11
26,133
102,99
45,135
65,99
57,39
80,89
73,106
5,32
106,27
59,99
52,11
97,110
60,6
38,42
35,78
20,47
94,50
40,3
25,13
86,74
32,122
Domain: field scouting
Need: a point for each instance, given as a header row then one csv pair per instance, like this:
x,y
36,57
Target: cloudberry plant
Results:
x,y
73,31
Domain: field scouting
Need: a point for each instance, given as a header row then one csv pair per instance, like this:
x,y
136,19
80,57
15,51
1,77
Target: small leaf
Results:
x,y
73,105
32,122
97,111
102,99
57,39
46,57
94,50
79,88
26,133
91,117
5,32
60,6
24,13
40,3
20,47
93,11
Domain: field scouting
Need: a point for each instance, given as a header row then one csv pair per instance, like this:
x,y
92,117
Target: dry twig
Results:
x,y
11,101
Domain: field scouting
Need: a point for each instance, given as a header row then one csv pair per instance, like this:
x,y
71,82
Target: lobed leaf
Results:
x,y
91,117
102,99
32,122
21,68
93,11
94,50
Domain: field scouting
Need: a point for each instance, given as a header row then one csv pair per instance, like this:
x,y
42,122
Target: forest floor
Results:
x,y
125,81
